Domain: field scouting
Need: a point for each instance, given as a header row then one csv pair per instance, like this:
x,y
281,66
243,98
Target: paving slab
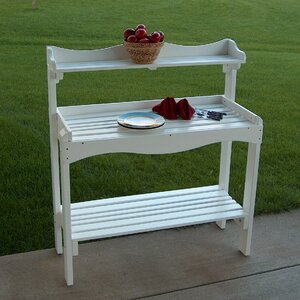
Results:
x,y
159,263
276,285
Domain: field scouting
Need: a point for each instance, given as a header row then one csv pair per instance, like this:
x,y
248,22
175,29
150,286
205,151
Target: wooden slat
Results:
x,y
108,108
102,114
149,204
164,202
162,224
124,132
114,128
147,196
129,214
144,218
100,123
160,62
86,122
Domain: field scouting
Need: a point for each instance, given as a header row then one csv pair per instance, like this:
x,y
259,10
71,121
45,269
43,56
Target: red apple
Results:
x,y
140,26
162,36
132,39
144,40
155,37
128,32
141,33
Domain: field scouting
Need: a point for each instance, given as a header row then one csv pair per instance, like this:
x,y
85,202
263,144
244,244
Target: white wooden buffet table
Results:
x,y
87,130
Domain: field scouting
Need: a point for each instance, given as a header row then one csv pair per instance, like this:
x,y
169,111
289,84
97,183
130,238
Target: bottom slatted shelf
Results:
x,y
148,212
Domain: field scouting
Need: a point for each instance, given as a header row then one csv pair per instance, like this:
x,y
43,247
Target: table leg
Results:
x,y
225,161
249,197
66,212
55,165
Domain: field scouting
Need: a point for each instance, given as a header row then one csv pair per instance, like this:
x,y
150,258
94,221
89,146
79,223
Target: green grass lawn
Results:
x,y
268,84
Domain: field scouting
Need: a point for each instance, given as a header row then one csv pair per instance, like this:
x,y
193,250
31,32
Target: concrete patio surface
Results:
x,y
199,262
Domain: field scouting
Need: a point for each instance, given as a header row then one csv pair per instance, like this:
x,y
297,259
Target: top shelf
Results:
x,y
223,52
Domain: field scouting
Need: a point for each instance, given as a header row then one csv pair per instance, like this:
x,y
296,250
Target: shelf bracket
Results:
x,y
227,68
56,76
152,67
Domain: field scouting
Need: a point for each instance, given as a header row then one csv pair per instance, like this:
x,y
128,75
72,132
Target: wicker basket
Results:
x,y
143,53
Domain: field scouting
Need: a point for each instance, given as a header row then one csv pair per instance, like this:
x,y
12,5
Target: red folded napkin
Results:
x,y
167,108
185,110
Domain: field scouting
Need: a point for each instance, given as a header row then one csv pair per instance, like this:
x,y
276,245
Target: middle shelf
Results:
x,y
93,129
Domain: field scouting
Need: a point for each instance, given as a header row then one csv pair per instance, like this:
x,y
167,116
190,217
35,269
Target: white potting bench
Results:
x,y
77,132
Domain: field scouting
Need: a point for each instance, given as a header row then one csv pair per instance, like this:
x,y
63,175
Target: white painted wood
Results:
x,y
225,157
98,124
221,224
242,110
230,80
128,213
54,162
224,174
66,212
160,62
169,128
210,191
161,144
132,214
152,216
107,108
75,248
159,225
249,197
155,206
225,165
88,130
171,55
63,130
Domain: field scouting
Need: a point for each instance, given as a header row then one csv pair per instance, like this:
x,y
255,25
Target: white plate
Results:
x,y
141,120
